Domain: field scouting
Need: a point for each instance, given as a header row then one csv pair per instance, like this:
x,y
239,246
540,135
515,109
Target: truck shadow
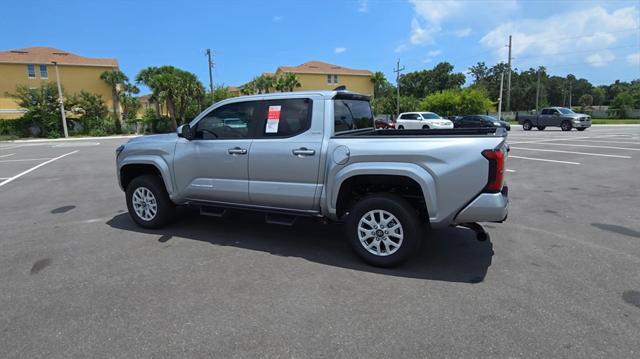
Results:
x,y
450,254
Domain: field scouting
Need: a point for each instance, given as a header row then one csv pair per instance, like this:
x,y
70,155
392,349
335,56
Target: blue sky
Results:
x,y
596,40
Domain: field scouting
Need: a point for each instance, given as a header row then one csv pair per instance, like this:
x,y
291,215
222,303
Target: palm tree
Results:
x,y
116,79
264,83
290,81
379,82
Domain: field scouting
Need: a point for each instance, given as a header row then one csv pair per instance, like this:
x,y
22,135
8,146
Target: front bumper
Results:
x,y
581,124
487,207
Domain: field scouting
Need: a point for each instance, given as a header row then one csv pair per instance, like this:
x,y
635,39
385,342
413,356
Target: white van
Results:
x,y
421,120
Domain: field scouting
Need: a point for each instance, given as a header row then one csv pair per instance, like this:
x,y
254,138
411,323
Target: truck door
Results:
x,y
213,166
284,159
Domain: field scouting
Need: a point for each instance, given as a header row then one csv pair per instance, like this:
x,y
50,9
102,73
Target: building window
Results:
x,y
332,79
43,72
31,71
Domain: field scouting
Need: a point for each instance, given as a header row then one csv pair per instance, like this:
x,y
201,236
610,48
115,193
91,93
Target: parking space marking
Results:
x,y
544,160
26,159
593,146
8,180
508,170
10,154
614,142
571,152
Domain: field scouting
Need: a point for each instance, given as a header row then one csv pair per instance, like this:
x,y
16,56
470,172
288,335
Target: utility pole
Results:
x,y
500,97
61,101
538,90
211,64
397,71
569,93
509,78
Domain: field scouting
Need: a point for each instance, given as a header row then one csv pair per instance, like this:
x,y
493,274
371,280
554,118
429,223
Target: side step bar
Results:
x,y
281,219
213,211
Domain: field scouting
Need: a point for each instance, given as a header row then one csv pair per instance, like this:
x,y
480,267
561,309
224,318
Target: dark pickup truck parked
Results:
x,y
561,117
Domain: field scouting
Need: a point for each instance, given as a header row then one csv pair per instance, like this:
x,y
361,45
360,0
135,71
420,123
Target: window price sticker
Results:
x,y
273,119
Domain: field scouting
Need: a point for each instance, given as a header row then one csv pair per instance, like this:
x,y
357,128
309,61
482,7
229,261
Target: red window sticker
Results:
x,y
273,119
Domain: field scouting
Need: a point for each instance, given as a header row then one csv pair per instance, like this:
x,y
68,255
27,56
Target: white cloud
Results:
x,y
600,59
462,32
430,16
634,59
430,55
340,50
277,18
363,6
564,37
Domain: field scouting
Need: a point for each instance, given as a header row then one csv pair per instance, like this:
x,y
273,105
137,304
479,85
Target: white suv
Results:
x,y
421,120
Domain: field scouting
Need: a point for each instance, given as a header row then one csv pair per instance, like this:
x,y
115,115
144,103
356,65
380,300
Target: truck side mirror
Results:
x,y
184,131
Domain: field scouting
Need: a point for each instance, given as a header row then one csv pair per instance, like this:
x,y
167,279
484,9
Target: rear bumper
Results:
x,y
487,207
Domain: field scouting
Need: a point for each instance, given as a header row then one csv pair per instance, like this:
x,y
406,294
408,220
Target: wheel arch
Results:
x,y
131,168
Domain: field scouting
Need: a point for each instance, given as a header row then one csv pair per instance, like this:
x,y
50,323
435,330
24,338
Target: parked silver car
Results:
x,y
316,154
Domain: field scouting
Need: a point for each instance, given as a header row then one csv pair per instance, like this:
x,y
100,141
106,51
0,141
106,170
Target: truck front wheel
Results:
x,y
566,126
384,229
527,125
148,202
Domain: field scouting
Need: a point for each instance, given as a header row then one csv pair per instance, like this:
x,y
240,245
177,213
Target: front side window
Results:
x,y
566,111
43,72
351,115
31,71
545,111
232,121
286,118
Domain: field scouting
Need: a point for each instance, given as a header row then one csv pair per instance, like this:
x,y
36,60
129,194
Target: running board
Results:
x,y
281,219
213,211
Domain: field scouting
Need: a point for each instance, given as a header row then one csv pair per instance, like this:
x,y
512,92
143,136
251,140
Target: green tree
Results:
x,y
418,84
264,83
221,92
116,79
585,101
467,101
181,91
130,103
381,87
599,95
93,111
288,82
43,109
621,104
480,73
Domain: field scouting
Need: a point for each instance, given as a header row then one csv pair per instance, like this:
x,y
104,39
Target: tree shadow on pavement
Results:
x,y
450,254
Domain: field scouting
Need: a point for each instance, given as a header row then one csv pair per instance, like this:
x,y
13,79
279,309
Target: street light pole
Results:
x,y
61,100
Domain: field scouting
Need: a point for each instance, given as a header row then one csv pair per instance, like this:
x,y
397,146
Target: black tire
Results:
x,y
425,127
541,128
581,129
405,215
566,126
527,125
165,208
400,127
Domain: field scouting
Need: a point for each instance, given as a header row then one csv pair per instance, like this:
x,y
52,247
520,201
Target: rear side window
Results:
x,y
351,115
287,118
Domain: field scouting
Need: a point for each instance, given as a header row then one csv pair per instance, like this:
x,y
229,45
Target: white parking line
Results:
x,y
508,170
571,152
10,154
614,142
544,160
8,180
593,146
27,159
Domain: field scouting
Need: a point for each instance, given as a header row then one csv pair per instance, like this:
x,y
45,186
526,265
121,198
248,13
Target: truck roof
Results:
x,y
323,93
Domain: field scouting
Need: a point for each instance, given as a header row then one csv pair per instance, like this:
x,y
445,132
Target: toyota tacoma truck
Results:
x,y
316,154
561,117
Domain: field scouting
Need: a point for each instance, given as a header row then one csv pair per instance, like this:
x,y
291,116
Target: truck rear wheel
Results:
x,y
148,202
384,229
527,125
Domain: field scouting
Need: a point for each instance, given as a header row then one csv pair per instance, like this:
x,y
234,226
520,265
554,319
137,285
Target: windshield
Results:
x,y
489,118
565,111
430,116
352,115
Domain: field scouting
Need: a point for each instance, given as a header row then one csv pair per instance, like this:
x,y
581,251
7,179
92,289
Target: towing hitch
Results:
x,y
481,234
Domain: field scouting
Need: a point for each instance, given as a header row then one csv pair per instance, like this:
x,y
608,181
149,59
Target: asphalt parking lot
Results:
x,y
560,278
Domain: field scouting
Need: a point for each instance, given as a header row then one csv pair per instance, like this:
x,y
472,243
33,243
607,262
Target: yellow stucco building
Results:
x,y
33,66
318,75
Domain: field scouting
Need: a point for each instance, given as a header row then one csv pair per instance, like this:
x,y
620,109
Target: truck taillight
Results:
x,y
496,170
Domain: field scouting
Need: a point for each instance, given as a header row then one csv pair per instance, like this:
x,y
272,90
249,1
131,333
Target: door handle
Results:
x,y
303,151
237,151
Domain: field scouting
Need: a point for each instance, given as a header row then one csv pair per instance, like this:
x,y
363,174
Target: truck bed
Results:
x,y
454,132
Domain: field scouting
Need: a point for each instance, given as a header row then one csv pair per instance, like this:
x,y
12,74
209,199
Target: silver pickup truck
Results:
x,y
316,154
561,117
